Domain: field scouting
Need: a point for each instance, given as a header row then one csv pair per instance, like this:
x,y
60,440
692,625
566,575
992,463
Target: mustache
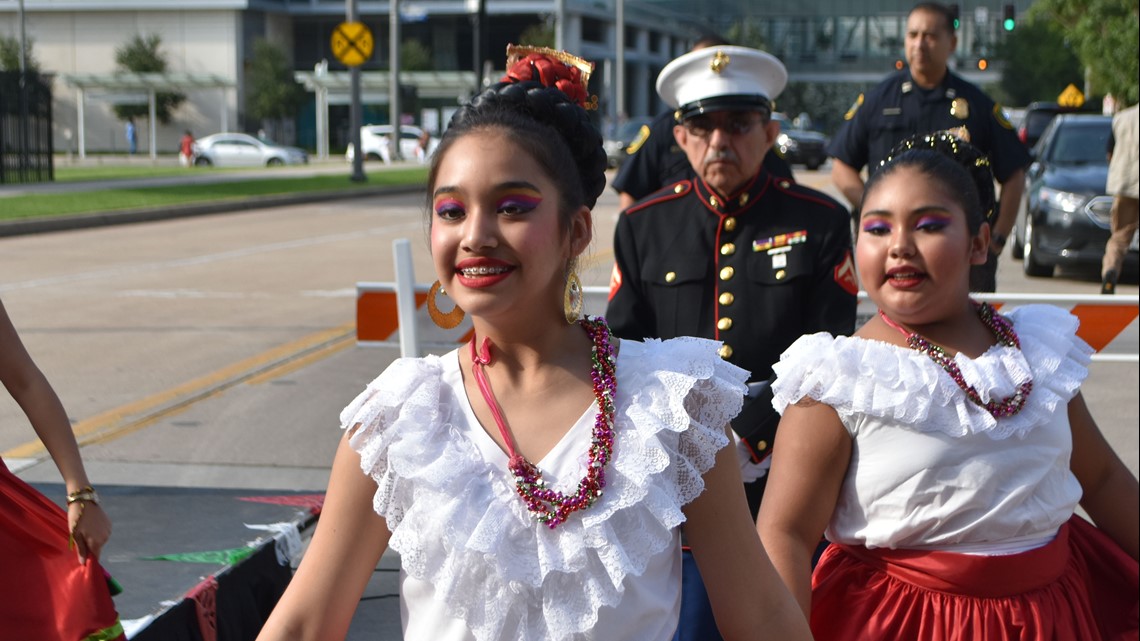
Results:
x,y
720,155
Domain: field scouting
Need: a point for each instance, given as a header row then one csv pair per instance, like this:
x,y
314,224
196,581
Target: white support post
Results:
x,y
81,100
406,297
152,112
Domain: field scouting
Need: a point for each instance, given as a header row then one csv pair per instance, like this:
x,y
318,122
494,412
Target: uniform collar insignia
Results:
x,y
951,93
907,86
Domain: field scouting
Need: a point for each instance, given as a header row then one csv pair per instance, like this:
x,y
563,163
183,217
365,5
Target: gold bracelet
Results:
x,y
85,494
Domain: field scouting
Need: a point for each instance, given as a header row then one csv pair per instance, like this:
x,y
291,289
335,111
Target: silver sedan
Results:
x,y
243,150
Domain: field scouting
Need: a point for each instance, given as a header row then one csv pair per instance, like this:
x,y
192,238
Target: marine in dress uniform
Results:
x,y
928,97
755,268
731,253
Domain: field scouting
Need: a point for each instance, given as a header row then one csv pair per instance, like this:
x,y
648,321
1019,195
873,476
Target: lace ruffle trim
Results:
x,y
858,376
457,523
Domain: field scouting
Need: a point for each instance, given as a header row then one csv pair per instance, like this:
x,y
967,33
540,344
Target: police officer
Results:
x,y
655,160
923,98
734,253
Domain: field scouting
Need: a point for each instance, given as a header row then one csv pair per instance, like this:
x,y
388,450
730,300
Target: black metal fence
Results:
x,y
25,128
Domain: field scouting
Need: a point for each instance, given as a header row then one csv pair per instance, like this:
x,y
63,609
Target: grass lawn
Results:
x,y
102,200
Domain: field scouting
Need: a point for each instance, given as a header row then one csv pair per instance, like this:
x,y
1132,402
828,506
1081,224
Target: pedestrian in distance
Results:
x,y
53,586
132,134
534,480
186,149
1123,185
923,98
945,446
734,254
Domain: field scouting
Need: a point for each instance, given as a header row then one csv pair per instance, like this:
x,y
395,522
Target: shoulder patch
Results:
x,y
665,194
844,275
854,107
642,136
999,116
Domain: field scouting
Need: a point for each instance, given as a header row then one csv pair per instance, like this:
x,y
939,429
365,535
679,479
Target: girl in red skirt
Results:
x,y
944,448
51,583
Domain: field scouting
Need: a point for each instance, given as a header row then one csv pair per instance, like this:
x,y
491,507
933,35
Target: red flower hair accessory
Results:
x,y
563,71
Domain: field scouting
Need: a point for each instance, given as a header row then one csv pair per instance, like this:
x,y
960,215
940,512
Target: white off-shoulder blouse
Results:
x,y
930,469
477,566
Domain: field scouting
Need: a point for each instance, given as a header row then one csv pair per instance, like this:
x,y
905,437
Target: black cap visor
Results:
x,y
737,102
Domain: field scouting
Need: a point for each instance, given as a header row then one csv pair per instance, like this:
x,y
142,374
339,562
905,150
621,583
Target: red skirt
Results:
x,y
1079,587
44,592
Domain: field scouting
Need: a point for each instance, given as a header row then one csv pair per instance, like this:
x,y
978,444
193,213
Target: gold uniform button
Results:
x,y
729,223
670,277
762,445
727,273
712,201
725,351
724,324
780,274
726,298
678,189
744,200
727,249
785,184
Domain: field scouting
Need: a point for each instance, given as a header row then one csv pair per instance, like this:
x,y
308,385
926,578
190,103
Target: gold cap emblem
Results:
x,y
719,61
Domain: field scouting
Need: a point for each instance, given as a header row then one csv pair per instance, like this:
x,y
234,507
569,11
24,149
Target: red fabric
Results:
x,y
44,592
205,597
1080,587
551,73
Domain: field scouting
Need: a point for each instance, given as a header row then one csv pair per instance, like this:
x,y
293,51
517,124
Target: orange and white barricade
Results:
x,y
386,315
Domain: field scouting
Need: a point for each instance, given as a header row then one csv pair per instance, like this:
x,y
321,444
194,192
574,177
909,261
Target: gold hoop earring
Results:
x,y
448,320
572,299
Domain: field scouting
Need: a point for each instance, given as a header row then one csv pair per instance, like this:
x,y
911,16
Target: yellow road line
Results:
x,y
117,422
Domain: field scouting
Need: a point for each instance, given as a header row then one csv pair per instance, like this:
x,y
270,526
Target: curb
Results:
x,y
128,216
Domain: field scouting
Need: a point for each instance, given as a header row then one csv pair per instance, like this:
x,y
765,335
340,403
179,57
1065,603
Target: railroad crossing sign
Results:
x,y
1071,97
352,43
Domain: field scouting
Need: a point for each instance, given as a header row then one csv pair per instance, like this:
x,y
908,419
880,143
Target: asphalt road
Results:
x,y
217,351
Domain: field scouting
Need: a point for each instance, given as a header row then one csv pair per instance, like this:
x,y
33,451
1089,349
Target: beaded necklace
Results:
x,y
547,506
1002,330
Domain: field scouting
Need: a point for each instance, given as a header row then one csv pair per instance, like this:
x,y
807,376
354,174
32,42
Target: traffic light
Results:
x,y
983,64
1007,17
954,21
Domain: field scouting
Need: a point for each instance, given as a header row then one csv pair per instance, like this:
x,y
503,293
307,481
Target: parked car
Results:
x,y
617,147
1064,218
1036,117
374,142
243,150
800,146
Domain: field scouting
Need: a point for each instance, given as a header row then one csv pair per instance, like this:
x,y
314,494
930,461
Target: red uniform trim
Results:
x,y
673,194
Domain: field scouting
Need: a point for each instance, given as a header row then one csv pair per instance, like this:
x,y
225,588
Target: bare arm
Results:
x,y
32,391
849,182
1008,203
1111,494
809,462
746,594
625,200
349,540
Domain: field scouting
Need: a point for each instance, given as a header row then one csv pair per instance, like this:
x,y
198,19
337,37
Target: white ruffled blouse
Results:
x,y
477,566
930,469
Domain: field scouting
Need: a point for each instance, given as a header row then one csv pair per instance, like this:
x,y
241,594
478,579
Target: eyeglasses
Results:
x,y
732,125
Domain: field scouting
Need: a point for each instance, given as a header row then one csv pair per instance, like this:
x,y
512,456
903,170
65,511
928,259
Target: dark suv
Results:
x,y
1065,214
1037,117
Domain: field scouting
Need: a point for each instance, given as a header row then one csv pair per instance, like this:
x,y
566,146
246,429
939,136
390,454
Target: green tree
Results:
x,y
746,33
415,56
1038,63
144,55
540,34
272,94
1103,34
10,55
